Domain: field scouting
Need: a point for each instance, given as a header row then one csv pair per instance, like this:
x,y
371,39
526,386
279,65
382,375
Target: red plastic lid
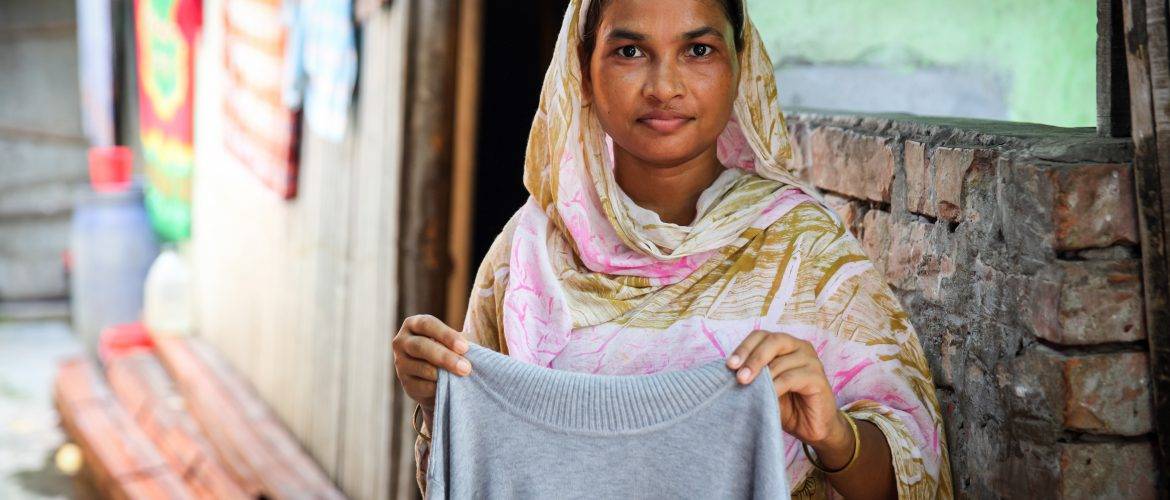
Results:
x,y
120,340
110,168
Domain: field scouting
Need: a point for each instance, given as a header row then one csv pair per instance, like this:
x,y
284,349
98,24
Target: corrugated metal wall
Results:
x,y
301,295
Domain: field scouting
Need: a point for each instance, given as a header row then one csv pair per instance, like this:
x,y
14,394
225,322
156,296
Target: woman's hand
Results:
x,y
422,345
808,408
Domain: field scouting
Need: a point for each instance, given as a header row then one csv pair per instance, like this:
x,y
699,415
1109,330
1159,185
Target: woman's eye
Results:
x,y
700,50
630,51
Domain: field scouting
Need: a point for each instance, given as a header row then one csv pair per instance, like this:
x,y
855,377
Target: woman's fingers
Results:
x,y
423,345
437,354
415,385
745,348
784,363
799,379
759,349
430,326
426,338
418,368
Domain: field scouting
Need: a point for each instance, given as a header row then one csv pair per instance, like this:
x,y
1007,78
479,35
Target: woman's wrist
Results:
x,y
837,448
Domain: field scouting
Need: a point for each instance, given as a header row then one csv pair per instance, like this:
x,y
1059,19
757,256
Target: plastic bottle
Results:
x,y
112,246
169,299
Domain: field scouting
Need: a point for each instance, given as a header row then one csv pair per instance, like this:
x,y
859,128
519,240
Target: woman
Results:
x,y
666,228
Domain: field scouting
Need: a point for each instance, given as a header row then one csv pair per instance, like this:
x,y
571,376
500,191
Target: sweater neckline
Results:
x,y
593,403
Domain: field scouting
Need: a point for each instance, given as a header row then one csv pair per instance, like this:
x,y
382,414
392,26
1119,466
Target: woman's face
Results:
x,y
662,77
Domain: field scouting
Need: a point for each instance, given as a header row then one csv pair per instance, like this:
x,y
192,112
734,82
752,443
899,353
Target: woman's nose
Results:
x,y
664,82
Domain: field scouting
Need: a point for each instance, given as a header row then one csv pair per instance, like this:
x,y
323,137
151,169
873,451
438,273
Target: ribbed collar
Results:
x,y
591,403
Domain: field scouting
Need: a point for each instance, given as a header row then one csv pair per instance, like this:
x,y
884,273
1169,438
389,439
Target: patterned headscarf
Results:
x,y
570,158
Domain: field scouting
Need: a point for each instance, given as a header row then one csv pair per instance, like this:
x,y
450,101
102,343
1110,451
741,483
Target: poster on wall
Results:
x,y
164,40
260,132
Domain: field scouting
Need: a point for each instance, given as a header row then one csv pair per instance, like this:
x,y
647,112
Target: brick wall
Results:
x,y
1014,248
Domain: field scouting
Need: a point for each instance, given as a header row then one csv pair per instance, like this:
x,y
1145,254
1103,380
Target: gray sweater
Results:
x,y
515,430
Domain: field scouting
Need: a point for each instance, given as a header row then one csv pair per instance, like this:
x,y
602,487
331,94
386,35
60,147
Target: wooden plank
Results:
x,y
424,258
463,175
405,486
323,342
148,393
121,459
301,296
1158,24
1145,35
186,369
273,282
245,433
1112,77
364,469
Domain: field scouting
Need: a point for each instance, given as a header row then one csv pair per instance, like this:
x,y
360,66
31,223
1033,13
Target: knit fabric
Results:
x,y
511,429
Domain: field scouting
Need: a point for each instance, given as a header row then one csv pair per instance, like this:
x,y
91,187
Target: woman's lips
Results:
x,y
664,122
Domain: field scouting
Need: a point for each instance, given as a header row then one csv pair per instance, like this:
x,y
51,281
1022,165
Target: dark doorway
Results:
x,y
518,38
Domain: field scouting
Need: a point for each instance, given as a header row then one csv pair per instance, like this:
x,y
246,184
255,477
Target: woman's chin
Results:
x,y
667,152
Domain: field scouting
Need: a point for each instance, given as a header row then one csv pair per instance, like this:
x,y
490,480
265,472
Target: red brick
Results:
x,y
1094,206
950,168
847,209
1089,302
949,358
1034,389
1102,302
1107,470
1108,394
875,237
917,179
799,136
852,164
938,263
908,244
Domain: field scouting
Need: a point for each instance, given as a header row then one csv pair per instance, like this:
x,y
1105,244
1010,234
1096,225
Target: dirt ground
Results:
x,y
29,431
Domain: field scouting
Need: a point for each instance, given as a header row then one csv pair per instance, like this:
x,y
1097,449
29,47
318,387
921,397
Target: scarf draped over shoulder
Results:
x,y
578,281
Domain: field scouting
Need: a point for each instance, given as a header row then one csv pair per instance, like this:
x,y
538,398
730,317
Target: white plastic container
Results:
x,y
169,308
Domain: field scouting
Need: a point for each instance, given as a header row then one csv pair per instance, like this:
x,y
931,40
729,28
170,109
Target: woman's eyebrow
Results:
x,y
705,30
625,34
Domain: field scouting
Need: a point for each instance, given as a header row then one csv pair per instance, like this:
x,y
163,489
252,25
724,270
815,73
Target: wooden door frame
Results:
x,y
424,260
1148,63
438,172
466,135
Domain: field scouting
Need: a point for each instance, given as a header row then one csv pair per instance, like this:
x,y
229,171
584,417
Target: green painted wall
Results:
x,y
1045,48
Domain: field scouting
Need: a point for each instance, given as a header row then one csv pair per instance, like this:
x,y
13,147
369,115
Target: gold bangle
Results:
x,y
414,422
856,448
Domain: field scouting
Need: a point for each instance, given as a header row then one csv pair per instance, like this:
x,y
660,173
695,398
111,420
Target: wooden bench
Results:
x,y
248,437
120,458
146,391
